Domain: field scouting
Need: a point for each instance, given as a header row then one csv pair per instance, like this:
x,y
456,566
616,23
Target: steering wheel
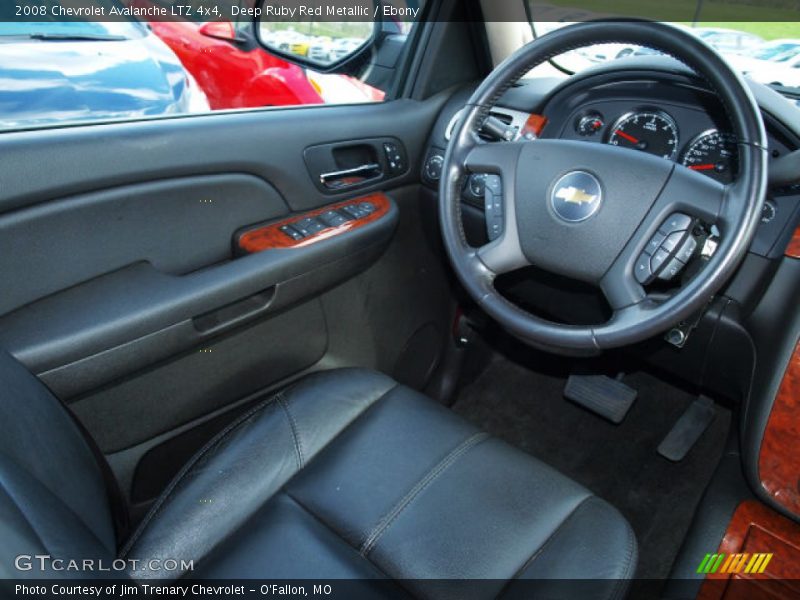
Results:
x,y
613,217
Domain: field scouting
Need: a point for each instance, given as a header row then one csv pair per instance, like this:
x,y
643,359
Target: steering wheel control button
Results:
x,y
658,259
477,184
642,270
687,250
677,222
673,240
493,206
576,196
654,243
671,270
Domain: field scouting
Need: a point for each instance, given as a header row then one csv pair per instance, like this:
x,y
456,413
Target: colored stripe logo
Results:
x,y
734,563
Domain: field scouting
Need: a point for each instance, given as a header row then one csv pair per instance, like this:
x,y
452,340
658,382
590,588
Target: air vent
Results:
x,y
515,118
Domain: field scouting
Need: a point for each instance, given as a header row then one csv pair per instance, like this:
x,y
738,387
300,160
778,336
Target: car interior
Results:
x,y
508,333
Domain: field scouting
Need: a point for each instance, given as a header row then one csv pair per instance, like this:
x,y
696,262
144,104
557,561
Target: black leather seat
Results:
x,y
344,475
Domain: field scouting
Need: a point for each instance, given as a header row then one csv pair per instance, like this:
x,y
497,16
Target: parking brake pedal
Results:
x,y
688,429
609,398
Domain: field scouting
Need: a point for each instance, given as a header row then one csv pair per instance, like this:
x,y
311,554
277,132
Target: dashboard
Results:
x,y
664,115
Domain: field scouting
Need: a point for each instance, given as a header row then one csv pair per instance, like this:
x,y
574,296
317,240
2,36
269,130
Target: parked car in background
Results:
x,y
766,56
728,41
321,51
235,72
79,70
231,69
783,72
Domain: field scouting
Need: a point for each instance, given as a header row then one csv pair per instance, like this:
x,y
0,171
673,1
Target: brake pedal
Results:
x,y
688,429
607,397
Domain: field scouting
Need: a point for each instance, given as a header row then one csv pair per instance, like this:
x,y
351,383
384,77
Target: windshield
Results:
x,y
759,50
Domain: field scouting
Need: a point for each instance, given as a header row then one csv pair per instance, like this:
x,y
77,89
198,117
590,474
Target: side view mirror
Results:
x,y
221,30
310,39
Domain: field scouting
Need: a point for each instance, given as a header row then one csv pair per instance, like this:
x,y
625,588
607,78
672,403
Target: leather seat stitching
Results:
x,y
432,475
298,446
211,445
333,530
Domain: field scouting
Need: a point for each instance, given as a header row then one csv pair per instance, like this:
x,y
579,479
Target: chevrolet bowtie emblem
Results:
x,y
575,196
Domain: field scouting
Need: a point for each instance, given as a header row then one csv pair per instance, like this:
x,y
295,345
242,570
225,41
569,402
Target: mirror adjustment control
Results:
x,y
433,167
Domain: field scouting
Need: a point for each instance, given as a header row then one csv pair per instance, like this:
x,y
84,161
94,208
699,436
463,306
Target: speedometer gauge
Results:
x,y
653,131
713,153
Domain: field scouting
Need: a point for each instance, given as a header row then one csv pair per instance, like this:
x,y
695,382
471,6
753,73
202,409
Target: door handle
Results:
x,y
350,177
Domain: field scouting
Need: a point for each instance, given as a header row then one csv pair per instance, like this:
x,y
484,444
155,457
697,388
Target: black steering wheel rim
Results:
x,y
735,208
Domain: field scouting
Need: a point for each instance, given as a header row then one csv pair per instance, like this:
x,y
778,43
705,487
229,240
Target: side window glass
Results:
x,y
191,62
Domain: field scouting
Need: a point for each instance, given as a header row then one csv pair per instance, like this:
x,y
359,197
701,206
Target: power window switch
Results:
x,y
289,231
354,211
333,218
308,226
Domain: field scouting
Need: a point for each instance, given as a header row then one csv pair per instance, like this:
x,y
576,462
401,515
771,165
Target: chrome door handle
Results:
x,y
328,179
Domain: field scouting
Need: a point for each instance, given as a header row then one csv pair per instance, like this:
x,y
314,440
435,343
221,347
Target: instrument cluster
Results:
x,y
648,129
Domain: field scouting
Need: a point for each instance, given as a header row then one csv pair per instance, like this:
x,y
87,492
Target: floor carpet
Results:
x,y
617,462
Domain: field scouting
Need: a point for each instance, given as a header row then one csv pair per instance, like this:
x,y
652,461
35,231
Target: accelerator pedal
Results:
x,y
609,398
688,429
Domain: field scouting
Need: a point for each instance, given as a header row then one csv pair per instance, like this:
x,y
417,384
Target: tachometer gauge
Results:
x,y
713,153
650,131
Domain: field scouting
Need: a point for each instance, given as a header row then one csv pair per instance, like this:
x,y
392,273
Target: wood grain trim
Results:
x,y
793,249
756,528
779,456
270,237
534,125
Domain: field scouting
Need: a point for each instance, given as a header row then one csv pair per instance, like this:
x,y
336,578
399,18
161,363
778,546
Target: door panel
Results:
x,y
130,300
177,225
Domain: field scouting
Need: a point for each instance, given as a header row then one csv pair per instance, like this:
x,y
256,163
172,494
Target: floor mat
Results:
x,y
617,462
